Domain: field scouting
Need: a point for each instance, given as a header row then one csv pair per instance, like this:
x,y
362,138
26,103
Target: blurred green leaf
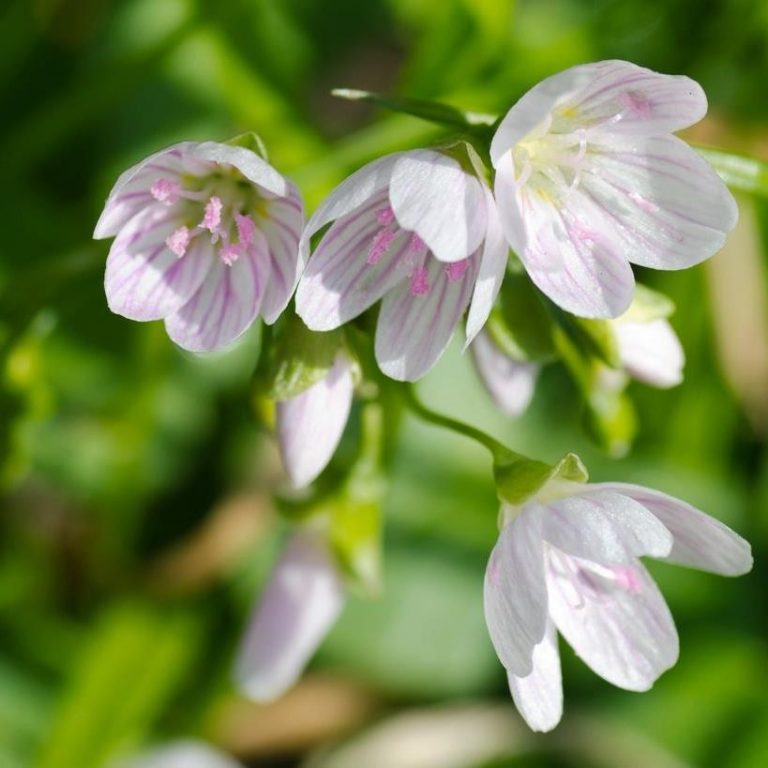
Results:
x,y
738,171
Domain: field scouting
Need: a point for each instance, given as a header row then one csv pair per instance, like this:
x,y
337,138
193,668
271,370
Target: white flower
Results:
x,y
310,425
181,754
589,179
567,560
419,232
206,239
300,604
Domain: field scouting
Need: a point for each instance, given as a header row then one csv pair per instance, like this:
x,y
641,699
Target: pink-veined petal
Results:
x,y
256,170
615,619
700,541
339,283
493,266
515,593
310,425
433,196
539,696
144,280
353,193
571,253
413,330
604,526
226,304
667,207
282,228
300,604
510,382
650,352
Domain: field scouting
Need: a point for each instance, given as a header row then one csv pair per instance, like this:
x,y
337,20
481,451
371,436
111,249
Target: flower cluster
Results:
x,y
585,179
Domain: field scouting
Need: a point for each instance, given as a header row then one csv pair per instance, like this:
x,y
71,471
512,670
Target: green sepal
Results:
x,y
297,358
252,141
518,478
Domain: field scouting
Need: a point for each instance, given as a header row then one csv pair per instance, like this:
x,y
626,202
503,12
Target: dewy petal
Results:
x,y
650,352
605,527
182,754
515,593
667,207
572,254
353,193
539,696
144,279
433,196
339,283
700,541
510,382
615,619
414,330
493,266
310,425
226,304
282,228
131,192
254,169
300,604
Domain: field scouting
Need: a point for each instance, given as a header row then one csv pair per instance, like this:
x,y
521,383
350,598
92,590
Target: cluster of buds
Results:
x,y
584,179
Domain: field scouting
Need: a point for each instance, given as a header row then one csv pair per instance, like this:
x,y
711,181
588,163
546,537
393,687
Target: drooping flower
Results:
x,y
589,179
419,231
206,238
181,754
310,425
300,604
567,560
648,351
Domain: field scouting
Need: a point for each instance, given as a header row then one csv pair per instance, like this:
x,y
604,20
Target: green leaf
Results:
x,y
738,171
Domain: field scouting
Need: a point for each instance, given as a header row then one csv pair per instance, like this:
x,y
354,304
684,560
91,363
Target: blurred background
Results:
x,y
137,521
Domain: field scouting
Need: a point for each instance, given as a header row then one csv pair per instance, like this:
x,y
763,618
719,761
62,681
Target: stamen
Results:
x,y
419,282
380,245
165,191
212,217
416,245
178,242
246,229
627,579
385,216
230,253
636,103
456,270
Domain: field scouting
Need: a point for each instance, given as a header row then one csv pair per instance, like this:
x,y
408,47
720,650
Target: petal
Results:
x,y
131,192
700,541
604,526
226,304
182,754
354,192
651,352
299,606
282,228
493,267
433,196
665,204
254,169
515,594
413,330
570,250
510,382
539,696
310,425
339,283
144,280
614,618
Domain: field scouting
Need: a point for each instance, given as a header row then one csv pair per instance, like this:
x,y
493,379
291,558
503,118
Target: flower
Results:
x,y
648,351
310,425
590,178
181,754
300,604
206,239
418,231
567,560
